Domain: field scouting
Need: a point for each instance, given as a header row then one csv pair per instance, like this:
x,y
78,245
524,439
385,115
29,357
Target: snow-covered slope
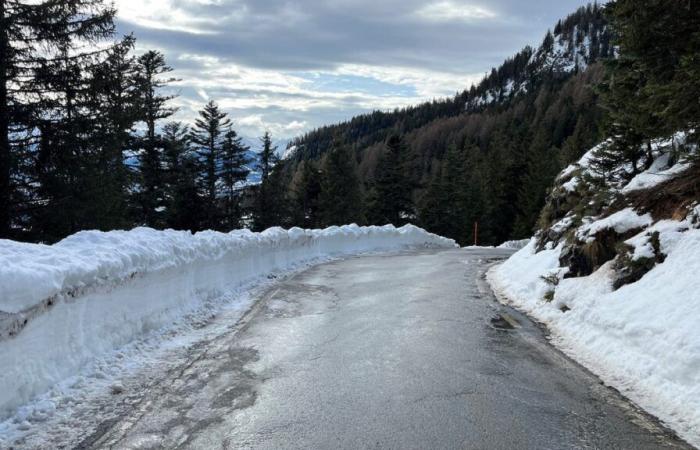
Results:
x,y
575,43
63,305
614,275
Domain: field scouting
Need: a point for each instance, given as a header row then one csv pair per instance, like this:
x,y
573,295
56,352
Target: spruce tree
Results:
x,y
647,87
340,201
152,104
184,200
450,205
390,199
82,179
115,105
34,35
542,166
306,194
207,137
269,198
233,171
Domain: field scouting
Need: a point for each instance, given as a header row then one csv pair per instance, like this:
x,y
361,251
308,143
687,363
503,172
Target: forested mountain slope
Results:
x,y
486,155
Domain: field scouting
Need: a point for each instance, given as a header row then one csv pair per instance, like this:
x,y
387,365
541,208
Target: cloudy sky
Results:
x,y
289,66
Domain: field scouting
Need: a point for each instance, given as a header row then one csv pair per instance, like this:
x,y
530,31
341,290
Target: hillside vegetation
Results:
x,y
487,155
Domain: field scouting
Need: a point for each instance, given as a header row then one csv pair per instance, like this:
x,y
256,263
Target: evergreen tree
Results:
x,y
207,136
647,87
183,197
150,68
269,202
542,166
660,43
341,199
451,203
268,157
82,180
306,194
34,35
390,199
115,105
233,171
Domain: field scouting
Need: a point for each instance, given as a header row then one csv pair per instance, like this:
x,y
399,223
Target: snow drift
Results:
x,y
65,304
640,336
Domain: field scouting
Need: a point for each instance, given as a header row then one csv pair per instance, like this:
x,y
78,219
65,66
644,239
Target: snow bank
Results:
x,y
621,221
661,170
65,304
514,245
643,339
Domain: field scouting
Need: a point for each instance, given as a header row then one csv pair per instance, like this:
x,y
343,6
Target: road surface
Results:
x,y
408,351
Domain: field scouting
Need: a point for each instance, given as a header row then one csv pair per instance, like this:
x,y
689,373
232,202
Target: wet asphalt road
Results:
x,y
395,352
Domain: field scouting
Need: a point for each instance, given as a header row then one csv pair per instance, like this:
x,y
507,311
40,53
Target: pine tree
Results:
x,y
542,166
340,201
451,205
82,180
306,194
269,202
648,86
390,199
34,35
150,68
207,136
115,105
232,172
184,202
268,157
434,206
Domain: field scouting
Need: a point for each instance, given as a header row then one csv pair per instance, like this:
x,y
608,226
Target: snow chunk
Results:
x,y
659,172
514,245
571,185
621,222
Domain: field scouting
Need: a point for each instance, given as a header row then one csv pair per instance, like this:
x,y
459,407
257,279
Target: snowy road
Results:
x,y
373,352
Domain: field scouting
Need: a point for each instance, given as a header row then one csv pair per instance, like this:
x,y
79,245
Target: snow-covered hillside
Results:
x,y
575,43
614,273
63,305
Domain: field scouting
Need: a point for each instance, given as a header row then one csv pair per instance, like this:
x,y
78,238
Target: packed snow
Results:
x,y
642,338
622,222
62,306
661,170
514,245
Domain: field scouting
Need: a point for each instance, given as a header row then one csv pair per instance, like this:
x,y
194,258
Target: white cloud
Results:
x,y
254,124
255,98
428,84
292,65
170,15
449,11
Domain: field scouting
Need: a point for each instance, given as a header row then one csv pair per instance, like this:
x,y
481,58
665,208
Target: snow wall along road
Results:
x,y
63,305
